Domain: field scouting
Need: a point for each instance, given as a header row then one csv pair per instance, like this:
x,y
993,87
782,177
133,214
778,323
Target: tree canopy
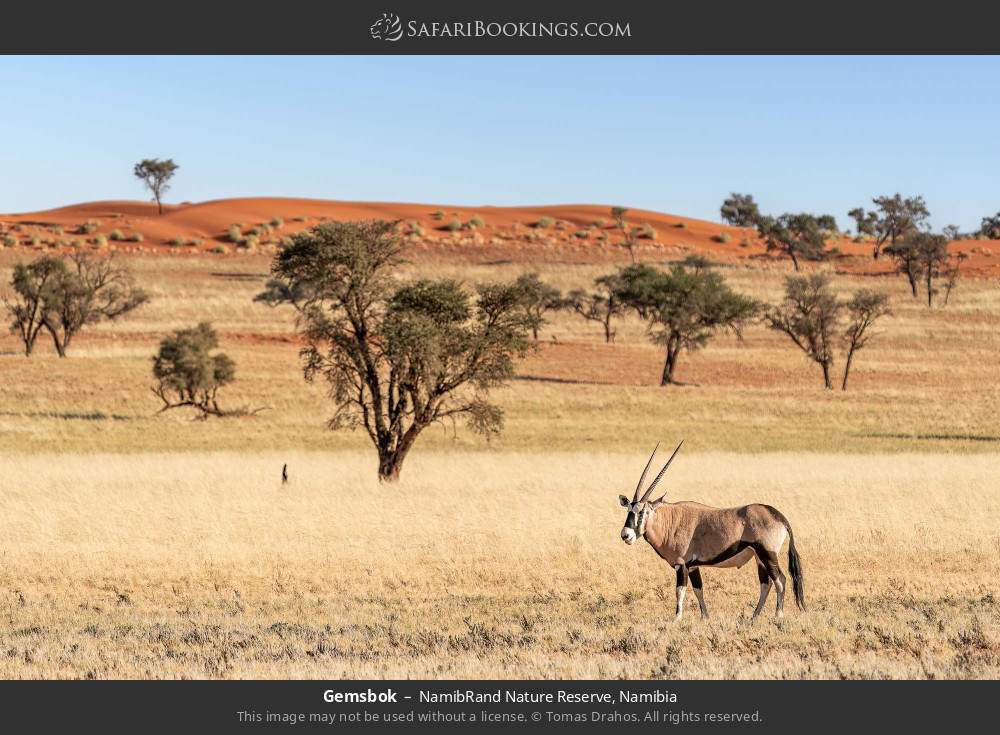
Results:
x,y
684,306
397,357
189,372
740,210
893,218
156,174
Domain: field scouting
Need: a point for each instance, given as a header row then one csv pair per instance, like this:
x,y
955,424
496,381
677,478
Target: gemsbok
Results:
x,y
690,535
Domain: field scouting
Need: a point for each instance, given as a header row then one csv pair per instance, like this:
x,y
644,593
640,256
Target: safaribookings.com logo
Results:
x,y
390,28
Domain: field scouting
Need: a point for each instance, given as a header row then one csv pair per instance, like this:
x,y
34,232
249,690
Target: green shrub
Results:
x,y
582,234
35,241
600,222
454,226
250,243
194,242
722,237
56,229
87,228
277,222
477,221
100,241
545,223
135,237
437,216
175,242
220,248
9,241
116,235
300,219
234,234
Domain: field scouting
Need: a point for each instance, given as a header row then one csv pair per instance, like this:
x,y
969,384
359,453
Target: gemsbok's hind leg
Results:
x,y
770,560
682,580
765,588
695,575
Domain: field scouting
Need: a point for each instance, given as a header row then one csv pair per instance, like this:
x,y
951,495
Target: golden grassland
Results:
x,y
203,565
145,545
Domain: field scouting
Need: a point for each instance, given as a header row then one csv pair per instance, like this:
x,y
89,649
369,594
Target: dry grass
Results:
x,y
137,545
155,565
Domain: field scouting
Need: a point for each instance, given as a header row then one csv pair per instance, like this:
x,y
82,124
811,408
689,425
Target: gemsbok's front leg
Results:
x,y
695,575
765,588
682,580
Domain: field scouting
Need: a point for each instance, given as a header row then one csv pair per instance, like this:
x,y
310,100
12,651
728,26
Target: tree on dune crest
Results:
x,y
740,210
156,174
893,218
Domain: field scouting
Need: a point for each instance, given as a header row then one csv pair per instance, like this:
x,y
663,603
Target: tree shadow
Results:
x,y
68,415
933,437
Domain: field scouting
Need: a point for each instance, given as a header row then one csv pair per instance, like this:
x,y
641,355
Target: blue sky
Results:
x,y
674,134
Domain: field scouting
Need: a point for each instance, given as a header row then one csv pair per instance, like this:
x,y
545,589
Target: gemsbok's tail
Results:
x,y
795,567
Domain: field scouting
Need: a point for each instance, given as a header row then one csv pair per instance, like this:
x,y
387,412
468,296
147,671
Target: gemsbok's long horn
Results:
x,y
656,479
642,478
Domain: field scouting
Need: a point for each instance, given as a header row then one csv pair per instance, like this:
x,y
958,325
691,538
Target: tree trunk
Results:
x,y
159,205
795,261
913,283
827,382
59,344
847,368
390,458
669,364
609,335
389,467
930,292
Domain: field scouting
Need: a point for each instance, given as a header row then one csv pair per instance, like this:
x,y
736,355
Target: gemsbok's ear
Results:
x,y
624,501
654,504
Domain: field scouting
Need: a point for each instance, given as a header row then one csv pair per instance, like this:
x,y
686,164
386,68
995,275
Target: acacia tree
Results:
x,y
155,175
397,357
600,305
189,373
933,261
990,228
799,236
905,254
64,297
893,218
684,307
864,308
537,299
740,210
923,257
33,288
628,235
809,315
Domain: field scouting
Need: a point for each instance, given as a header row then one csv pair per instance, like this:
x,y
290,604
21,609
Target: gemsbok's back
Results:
x,y
690,535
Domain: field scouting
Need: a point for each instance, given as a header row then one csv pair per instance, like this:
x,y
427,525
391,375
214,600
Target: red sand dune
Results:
x,y
509,232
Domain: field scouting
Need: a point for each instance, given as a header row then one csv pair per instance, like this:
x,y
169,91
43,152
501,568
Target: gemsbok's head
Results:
x,y
639,509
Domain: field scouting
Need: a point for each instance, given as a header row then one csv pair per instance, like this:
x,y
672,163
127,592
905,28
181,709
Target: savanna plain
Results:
x,y
144,545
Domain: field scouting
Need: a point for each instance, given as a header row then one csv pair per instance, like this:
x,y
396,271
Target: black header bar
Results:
x,y
510,27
